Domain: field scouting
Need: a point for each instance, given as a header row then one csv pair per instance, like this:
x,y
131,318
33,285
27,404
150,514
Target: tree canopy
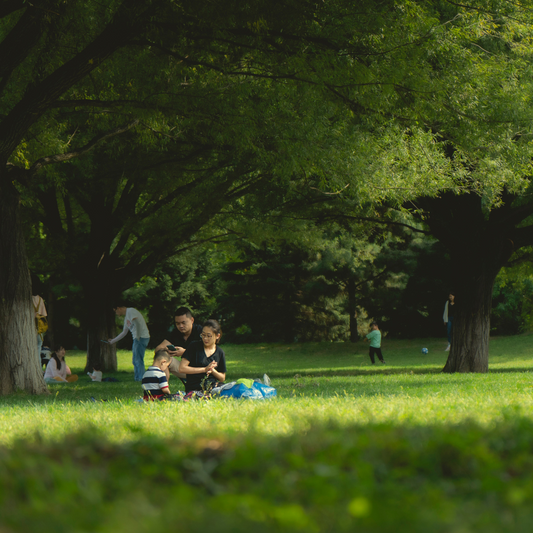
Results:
x,y
421,106
454,149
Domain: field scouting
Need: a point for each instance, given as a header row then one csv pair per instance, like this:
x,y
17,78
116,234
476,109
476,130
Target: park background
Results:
x,y
294,169
297,291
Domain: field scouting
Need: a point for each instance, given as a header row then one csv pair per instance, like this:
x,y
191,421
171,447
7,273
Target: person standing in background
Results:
x,y
447,317
134,322
41,324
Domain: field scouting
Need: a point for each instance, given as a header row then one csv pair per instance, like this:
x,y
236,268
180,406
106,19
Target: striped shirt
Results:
x,y
153,381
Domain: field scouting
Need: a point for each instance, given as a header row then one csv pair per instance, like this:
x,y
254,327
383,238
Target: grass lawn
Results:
x,y
345,445
332,382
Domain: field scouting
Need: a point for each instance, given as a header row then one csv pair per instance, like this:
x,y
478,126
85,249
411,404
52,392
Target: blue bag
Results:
x,y
257,391
266,391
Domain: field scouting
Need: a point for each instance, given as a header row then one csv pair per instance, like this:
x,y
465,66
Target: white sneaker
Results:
x,y
447,348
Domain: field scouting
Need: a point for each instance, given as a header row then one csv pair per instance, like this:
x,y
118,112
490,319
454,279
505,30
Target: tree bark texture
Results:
x,y
100,326
20,367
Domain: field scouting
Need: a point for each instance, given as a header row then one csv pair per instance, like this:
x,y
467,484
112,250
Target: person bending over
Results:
x,y
154,381
57,370
204,359
134,322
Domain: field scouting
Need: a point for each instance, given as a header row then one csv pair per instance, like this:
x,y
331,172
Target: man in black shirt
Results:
x,y
185,332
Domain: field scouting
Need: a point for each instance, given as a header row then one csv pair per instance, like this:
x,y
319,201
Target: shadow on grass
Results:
x,y
384,370
509,370
340,373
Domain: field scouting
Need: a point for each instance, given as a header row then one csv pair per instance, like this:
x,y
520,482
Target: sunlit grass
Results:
x,y
328,382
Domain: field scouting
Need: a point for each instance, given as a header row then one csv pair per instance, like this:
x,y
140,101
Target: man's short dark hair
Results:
x,y
374,324
183,311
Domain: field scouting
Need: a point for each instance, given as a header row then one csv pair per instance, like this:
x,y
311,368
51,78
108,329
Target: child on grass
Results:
x,y
154,380
375,343
96,374
57,370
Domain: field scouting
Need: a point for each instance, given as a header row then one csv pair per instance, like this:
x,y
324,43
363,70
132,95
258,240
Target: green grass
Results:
x,y
315,382
344,445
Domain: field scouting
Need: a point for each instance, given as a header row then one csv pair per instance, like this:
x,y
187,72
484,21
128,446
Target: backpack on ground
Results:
x,y
41,323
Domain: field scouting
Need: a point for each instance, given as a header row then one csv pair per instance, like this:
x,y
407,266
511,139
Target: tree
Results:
x,y
485,218
411,74
30,86
512,310
153,194
287,275
281,42
456,151
481,242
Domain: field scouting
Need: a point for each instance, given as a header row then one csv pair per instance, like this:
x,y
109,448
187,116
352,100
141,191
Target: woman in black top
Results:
x,y
204,358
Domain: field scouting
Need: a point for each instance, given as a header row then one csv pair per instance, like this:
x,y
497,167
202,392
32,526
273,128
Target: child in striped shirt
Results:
x,y
154,380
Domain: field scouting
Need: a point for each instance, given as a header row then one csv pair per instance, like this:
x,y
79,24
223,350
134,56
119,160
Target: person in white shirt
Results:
x,y
96,374
134,322
57,370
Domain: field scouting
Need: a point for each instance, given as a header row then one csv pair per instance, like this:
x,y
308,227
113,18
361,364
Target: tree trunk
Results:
x,y
475,264
19,363
469,350
480,242
100,326
352,310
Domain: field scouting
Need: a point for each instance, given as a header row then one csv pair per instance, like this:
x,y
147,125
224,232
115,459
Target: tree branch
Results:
x,y
16,46
373,278
60,158
9,6
129,20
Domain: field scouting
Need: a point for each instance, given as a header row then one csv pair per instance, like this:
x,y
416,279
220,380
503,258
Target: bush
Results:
x,y
372,479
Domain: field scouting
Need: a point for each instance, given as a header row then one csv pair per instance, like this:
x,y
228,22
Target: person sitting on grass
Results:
x,y
57,370
184,332
375,343
154,380
96,374
204,359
